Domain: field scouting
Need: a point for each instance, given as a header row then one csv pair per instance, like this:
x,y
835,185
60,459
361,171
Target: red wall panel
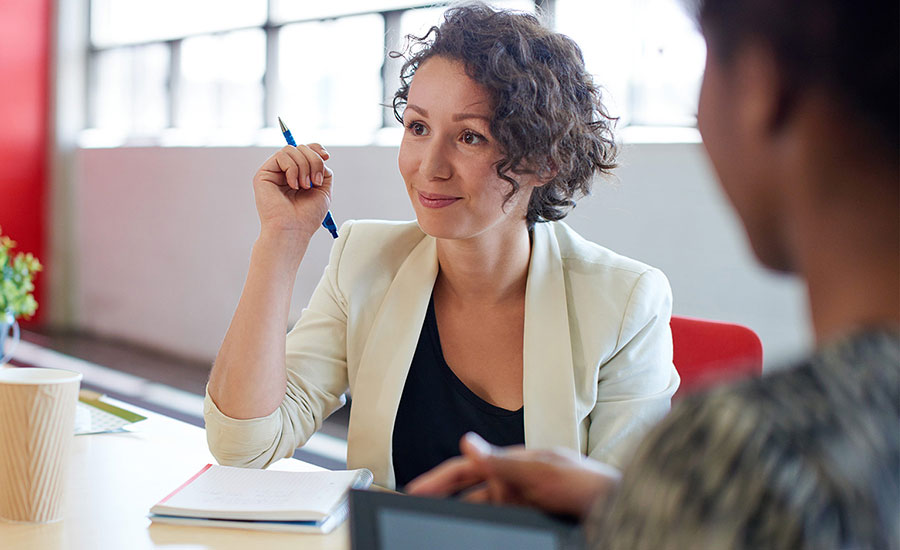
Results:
x,y
24,117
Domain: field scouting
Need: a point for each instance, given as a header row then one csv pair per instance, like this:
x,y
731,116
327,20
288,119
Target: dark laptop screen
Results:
x,y
391,521
407,530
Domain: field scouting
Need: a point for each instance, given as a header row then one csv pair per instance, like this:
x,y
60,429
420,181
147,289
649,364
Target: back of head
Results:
x,y
806,457
847,48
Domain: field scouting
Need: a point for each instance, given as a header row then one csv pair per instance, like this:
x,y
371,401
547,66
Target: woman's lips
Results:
x,y
433,200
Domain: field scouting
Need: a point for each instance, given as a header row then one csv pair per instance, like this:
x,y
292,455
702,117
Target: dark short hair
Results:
x,y
548,116
845,47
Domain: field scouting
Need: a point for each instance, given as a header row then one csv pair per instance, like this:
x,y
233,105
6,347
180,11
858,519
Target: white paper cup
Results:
x,y
37,416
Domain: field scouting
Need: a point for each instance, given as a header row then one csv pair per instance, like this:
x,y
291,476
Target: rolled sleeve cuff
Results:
x,y
248,443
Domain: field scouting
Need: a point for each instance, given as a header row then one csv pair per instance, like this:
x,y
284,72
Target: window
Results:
x,y
647,54
219,83
220,72
120,22
329,86
128,88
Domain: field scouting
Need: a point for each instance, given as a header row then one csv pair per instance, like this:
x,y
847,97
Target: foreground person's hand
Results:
x,y
559,481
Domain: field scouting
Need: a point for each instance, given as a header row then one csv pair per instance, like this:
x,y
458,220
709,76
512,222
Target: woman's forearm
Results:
x,y
248,378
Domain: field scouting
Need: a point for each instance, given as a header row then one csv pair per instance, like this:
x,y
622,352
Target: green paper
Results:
x,y
112,409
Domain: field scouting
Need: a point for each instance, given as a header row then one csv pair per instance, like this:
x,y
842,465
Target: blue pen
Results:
x,y
328,222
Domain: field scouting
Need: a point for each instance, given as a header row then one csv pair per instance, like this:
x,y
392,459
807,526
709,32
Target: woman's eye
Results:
x,y
417,128
471,138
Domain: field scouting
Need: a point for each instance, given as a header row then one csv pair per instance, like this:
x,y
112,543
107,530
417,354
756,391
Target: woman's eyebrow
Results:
x,y
456,118
417,109
463,116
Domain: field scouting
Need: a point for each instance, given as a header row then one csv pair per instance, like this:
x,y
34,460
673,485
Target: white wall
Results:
x,y
162,238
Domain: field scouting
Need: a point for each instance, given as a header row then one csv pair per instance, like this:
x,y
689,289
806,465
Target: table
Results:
x,y
116,477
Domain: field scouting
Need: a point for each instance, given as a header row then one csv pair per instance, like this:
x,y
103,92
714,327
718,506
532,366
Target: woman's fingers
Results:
x,y
288,166
322,152
280,188
321,173
298,159
302,166
315,166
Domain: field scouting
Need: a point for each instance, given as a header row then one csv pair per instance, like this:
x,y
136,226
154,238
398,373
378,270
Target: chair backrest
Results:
x,y
707,353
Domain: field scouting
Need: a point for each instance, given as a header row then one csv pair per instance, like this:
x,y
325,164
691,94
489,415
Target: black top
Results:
x,y
437,409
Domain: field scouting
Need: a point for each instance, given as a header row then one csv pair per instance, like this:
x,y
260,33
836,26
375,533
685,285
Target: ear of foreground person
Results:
x,y
800,121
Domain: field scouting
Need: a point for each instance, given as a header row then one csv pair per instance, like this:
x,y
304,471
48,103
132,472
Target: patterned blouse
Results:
x,y
807,457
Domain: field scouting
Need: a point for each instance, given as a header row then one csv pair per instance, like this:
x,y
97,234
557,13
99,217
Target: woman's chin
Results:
x,y
437,230
440,228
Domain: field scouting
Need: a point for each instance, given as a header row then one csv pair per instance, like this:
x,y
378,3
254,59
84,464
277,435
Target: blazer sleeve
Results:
x,y
316,362
635,386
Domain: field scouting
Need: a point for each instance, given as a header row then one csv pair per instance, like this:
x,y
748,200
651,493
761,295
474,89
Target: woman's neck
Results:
x,y
488,269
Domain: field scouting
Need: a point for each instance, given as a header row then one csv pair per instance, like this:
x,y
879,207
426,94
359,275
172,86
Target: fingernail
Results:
x,y
319,178
480,444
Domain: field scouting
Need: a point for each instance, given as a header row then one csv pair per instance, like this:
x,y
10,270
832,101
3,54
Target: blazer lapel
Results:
x,y
385,361
548,372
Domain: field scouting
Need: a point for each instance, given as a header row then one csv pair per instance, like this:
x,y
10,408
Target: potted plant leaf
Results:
x,y
17,273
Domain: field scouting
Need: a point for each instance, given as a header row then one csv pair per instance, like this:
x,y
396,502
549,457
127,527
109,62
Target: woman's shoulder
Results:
x,y
366,246
582,255
387,231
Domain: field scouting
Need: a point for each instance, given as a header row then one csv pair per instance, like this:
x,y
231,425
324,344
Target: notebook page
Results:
x,y
224,491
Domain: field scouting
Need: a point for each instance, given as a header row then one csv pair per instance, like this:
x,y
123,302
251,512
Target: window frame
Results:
x,y
546,10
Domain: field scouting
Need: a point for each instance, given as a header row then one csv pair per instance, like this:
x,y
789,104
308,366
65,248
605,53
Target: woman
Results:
x,y
474,317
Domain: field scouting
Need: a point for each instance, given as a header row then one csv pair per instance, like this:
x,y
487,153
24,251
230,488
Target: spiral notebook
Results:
x,y
224,496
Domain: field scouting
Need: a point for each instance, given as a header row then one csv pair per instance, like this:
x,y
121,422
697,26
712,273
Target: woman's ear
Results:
x,y
546,173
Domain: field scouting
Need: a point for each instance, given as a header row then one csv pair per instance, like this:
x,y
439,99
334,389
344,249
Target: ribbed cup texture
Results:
x,y
36,432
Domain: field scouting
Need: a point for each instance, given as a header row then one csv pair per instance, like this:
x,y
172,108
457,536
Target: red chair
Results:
x,y
707,353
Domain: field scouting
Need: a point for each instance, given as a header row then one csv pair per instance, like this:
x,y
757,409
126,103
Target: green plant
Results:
x,y
16,280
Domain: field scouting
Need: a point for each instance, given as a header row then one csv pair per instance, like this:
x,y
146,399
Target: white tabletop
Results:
x,y
114,480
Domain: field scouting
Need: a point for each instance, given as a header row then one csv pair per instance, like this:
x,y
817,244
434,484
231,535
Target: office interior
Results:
x,y
145,228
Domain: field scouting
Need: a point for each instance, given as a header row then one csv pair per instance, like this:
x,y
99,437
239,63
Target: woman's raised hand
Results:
x,y
293,193
293,190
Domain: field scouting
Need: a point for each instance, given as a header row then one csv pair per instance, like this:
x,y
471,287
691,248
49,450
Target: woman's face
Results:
x,y
447,157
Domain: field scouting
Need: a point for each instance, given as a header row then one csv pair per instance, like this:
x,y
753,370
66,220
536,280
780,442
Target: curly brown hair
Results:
x,y
548,116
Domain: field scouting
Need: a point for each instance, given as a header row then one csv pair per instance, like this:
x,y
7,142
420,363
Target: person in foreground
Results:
x,y
484,314
799,115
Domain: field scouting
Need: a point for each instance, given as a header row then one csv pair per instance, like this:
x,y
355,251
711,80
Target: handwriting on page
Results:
x,y
239,489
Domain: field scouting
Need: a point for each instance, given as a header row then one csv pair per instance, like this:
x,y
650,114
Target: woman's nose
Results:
x,y
436,163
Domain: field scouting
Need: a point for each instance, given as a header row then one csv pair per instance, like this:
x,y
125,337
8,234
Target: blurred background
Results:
x,y
132,129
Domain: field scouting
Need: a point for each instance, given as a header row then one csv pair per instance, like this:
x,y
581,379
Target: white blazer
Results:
x,y
597,351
